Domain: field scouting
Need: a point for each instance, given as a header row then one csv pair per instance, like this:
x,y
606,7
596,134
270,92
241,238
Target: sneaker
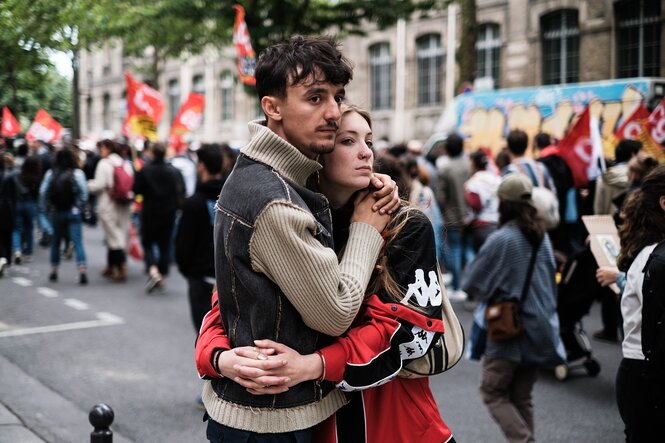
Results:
x,y
153,282
457,295
17,257
45,241
83,278
604,336
53,277
3,265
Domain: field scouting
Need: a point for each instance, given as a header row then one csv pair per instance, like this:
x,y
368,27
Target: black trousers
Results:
x,y
200,294
156,230
218,433
640,390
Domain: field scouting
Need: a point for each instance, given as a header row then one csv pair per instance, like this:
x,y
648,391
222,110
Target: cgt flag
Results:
x,y
44,128
246,55
656,128
144,109
581,148
189,119
10,126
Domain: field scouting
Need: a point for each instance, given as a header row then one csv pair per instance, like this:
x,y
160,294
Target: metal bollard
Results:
x,y
101,416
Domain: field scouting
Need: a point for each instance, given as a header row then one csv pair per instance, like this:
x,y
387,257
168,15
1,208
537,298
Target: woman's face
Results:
x,y
349,165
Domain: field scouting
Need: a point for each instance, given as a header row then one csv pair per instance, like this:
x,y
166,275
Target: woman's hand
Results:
x,y
386,195
606,275
253,361
363,211
292,369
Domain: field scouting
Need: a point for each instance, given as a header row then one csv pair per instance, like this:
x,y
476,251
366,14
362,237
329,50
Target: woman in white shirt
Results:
x,y
640,383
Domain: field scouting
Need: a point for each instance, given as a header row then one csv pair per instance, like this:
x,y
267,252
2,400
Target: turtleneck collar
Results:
x,y
269,148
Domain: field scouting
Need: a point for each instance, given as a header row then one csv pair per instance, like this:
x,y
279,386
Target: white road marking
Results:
x,y
103,319
76,304
21,281
47,292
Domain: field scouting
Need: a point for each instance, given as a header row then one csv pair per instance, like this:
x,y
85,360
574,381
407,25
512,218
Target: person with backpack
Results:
x,y
7,213
112,184
63,194
640,382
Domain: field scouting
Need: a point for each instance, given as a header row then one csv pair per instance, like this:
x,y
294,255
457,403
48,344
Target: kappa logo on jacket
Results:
x,y
426,294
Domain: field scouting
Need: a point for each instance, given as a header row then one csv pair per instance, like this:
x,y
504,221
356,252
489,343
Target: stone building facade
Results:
x,y
403,74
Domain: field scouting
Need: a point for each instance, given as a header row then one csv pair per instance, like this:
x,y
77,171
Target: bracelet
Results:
x,y
323,361
215,361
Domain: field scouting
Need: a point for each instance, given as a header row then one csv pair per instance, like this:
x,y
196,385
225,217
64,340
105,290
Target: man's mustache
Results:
x,y
330,126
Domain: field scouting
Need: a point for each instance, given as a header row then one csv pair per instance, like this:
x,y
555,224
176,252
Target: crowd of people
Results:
x,y
313,258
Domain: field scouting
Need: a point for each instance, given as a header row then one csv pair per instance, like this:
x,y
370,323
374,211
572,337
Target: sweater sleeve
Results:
x,y
326,294
101,181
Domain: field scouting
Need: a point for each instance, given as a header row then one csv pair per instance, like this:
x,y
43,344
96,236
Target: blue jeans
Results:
x,y
26,211
44,223
458,252
67,222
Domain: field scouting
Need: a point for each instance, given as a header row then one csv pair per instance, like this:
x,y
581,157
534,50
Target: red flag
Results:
x,y
656,123
577,150
246,55
639,127
10,126
189,119
44,128
144,109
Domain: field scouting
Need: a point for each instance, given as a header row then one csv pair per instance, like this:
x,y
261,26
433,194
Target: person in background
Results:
x,y
453,172
483,204
27,191
63,192
640,381
194,252
614,180
114,215
499,270
163,192
7,213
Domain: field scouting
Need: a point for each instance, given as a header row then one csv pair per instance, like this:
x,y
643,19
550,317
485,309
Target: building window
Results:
x,y
88,113
638,38
106,111
198,85
174,98
122,108
488,52
561,47
429,55
226,86
380,73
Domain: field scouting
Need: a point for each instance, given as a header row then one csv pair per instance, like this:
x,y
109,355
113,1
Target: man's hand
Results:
x,y
386,195
253,361
295,369
363,211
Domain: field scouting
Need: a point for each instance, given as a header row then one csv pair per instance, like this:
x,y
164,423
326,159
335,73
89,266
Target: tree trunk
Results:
x,y
76,110
466,53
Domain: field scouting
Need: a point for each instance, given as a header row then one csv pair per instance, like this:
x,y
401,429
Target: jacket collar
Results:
x,y
269,148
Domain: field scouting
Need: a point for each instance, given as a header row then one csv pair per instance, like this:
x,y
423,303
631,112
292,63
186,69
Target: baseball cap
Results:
x,y
515,187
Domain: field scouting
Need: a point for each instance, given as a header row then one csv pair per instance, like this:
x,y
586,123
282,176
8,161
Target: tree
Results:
x,y
466,54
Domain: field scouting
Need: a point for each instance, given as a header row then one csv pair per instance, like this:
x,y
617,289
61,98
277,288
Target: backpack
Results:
x,y
653,307
62,190
121,191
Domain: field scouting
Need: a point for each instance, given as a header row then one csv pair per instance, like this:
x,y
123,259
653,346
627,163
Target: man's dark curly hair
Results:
x,y
297,60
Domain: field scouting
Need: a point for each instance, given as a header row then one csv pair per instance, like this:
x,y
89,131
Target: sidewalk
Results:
x,y
12,430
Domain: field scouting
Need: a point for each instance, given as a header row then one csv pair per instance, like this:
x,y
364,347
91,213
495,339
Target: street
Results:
x,y
65,348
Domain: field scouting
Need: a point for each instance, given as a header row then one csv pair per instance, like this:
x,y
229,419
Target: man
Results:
x,y
614,181
194,250
277,276
517,142
453,169
163,191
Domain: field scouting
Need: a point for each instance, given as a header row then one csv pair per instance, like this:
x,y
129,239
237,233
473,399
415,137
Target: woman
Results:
x,y
366,360
27,192
114,215
500,270
63,191
640,382
482,203
7,213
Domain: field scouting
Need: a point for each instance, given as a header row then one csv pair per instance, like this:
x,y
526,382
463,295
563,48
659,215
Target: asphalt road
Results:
x,y
65,348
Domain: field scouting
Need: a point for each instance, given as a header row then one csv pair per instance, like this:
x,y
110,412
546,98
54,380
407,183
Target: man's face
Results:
x,y
309,116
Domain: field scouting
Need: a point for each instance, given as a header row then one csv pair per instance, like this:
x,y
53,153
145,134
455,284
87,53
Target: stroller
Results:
x,y
576,292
